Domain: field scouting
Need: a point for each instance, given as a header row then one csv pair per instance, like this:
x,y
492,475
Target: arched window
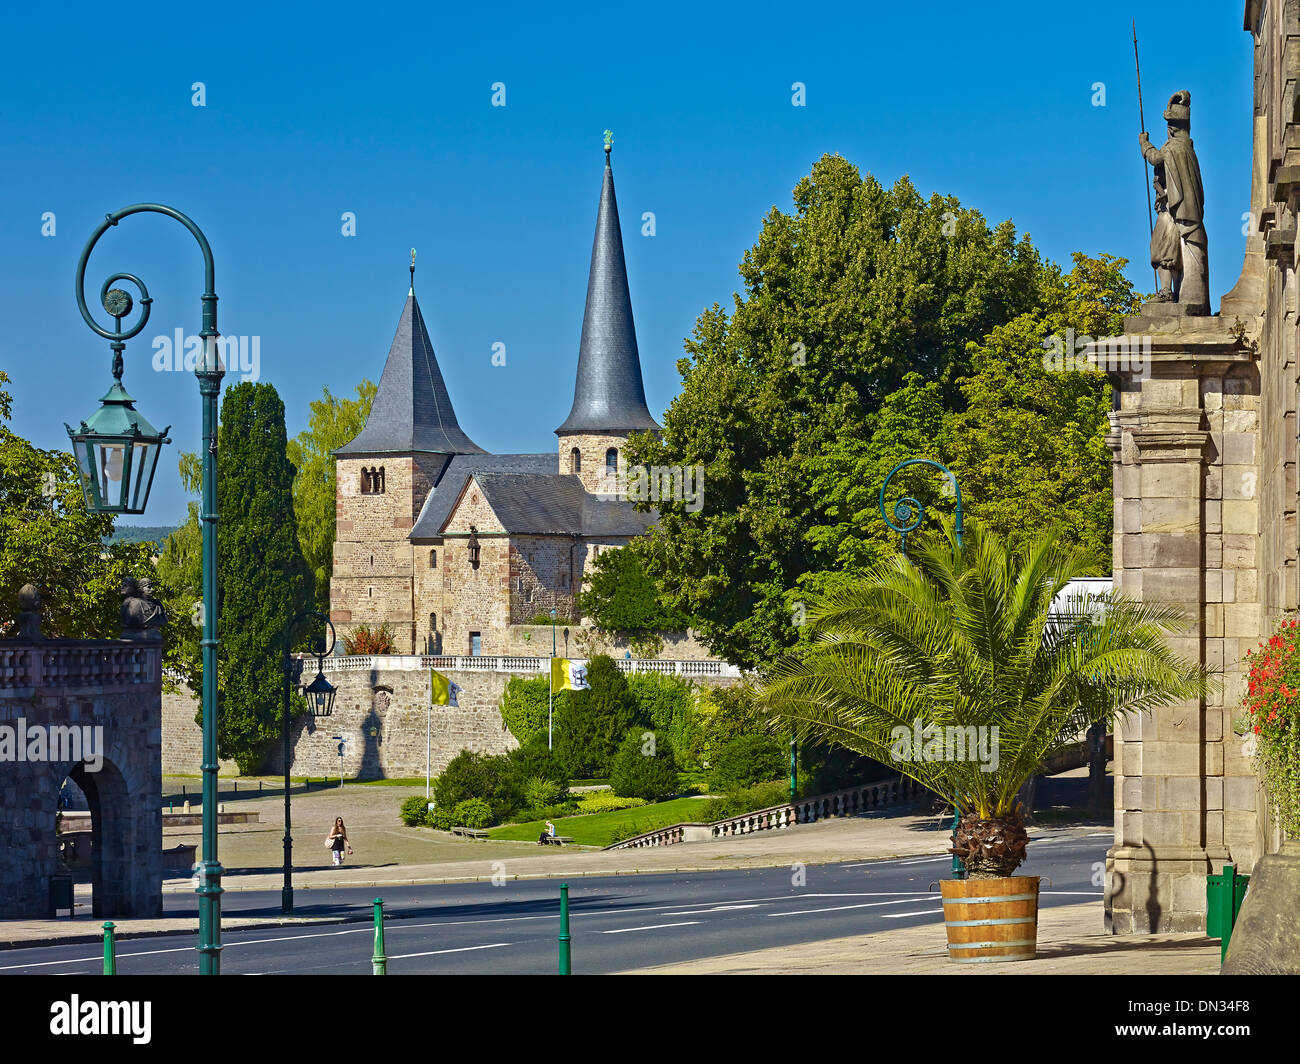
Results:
x,y
611,461
372,480
433,558
575,461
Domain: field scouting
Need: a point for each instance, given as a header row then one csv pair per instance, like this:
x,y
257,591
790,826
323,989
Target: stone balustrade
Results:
x,y
486,663
848,802
70,663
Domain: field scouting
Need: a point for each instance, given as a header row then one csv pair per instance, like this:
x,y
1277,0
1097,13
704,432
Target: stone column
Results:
x,y
1183,535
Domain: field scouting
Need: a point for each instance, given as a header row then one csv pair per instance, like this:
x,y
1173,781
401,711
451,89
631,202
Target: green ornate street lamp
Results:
x,y
320,697
909,513
117,451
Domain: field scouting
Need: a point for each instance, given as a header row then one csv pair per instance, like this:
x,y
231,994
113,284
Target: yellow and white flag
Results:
x,y
442,691
569,675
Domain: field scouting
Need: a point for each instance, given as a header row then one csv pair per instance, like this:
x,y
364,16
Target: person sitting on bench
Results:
x,y
548,836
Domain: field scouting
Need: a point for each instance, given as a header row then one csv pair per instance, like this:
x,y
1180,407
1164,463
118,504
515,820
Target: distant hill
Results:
x,y
141,534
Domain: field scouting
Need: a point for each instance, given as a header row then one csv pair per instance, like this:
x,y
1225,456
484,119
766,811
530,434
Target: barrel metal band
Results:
x,y
994,897
982,923
984,945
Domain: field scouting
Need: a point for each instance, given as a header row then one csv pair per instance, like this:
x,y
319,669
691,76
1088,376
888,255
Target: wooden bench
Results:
x,y
555,840
470,833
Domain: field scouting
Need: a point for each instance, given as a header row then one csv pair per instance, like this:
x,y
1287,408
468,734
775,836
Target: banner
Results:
x,y
569,675
442,691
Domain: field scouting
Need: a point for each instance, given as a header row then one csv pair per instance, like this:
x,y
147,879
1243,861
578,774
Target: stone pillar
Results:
x,y
1183,441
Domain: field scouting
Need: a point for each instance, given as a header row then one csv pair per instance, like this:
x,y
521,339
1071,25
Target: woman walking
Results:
x,y
337,841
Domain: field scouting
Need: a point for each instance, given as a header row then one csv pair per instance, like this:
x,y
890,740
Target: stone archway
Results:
x,y
112,838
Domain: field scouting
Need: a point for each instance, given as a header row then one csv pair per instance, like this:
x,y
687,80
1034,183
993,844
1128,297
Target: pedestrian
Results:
x,y
337,841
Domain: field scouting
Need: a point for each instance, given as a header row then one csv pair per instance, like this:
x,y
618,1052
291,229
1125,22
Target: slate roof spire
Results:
x,y
608,396
412,410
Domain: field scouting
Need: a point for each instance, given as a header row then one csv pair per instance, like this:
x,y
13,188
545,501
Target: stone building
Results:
x,y
454,548
1204,443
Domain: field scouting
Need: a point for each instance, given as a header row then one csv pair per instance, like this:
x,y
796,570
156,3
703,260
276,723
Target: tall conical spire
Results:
x,y
412,410
609,396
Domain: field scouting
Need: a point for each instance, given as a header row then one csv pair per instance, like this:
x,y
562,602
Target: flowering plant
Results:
x,y
1273,704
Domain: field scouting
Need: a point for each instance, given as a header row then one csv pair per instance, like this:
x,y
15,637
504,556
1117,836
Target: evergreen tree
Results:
x,y
590,724
264,579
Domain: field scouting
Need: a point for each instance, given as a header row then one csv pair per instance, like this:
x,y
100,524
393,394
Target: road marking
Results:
x,y
436,952
901,916
651,927
910,899
714,909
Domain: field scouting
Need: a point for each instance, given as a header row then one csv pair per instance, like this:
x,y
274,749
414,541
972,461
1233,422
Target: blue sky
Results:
x,y
385,110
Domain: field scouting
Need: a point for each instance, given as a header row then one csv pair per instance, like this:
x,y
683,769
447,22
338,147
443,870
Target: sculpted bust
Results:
x,y
142,615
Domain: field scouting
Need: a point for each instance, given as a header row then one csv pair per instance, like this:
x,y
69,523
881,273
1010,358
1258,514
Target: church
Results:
x,y
453,548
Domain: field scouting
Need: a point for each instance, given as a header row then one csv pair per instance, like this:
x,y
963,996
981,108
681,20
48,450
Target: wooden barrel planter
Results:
x,y
991,919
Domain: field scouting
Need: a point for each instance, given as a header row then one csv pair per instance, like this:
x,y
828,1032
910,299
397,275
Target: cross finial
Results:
x,y
412,271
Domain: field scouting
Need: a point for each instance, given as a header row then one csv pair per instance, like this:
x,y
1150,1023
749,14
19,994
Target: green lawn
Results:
x,y
601,829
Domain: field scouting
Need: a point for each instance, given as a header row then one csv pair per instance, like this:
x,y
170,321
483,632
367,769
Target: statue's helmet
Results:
x,y
1179,111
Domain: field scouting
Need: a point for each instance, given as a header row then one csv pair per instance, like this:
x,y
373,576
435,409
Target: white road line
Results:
x,y
714,909
436,952
651,927
900,916
912,899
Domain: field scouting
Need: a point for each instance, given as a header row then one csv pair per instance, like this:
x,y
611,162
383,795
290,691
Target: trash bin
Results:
x,y
61,895
1223,897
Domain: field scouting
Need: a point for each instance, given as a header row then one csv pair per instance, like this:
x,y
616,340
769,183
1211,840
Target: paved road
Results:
x,y
617,922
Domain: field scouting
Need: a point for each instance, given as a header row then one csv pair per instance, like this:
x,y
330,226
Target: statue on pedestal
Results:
x,y
29,612
1178,240
142,615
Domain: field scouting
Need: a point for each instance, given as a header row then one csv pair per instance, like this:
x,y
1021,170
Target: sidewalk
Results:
x,y
1070,942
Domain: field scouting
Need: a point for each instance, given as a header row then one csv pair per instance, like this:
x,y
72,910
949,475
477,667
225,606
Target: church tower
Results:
x,y
382,479
608,396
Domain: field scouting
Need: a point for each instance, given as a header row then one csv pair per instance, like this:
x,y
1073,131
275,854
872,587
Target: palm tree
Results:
x,y
958,646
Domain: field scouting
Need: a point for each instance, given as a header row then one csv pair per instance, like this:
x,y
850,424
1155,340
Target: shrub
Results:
x,y
746,760
442,819
415,810
489,777
667,703
545,812
534,761
606,802
722,714
638,774
539,792
545,619
364,640
761,796
524,707
473,813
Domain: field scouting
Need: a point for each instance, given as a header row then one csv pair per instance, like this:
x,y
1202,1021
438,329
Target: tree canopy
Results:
x,y
874,325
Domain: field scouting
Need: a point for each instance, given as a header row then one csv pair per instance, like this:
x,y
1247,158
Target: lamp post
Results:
x,y
909,513
116,452
320,697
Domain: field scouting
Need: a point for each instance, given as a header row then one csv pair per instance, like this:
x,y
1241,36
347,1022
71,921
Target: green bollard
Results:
x,y
379,962
566,957
110,950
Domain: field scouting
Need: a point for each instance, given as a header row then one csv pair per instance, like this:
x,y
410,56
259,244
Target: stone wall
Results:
x,y
111,685
591,470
